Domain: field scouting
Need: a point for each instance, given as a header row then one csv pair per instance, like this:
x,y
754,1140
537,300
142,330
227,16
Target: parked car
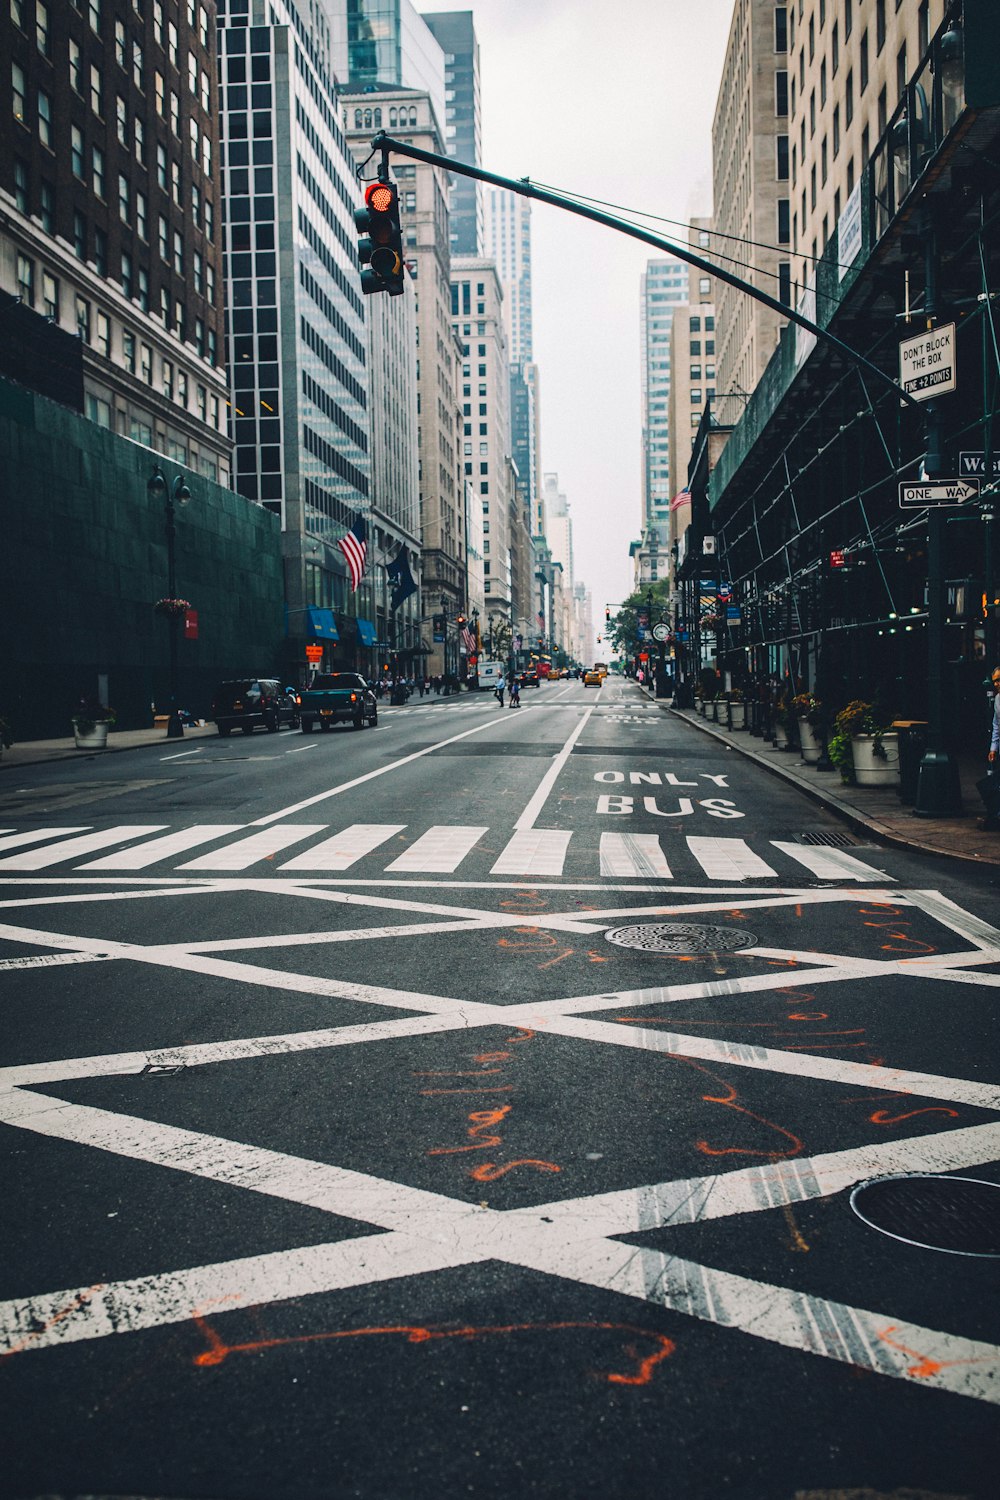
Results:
x,y
248,703
338,698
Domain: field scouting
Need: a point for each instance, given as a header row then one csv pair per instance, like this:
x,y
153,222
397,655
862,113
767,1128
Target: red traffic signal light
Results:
x,y
380,247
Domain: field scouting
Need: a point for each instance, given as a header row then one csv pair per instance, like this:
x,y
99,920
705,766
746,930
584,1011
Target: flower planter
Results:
x,y
93,737
781,736
737,715
810,742
871,769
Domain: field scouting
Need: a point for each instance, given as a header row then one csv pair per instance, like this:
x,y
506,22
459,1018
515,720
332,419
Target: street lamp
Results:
x,y
177,494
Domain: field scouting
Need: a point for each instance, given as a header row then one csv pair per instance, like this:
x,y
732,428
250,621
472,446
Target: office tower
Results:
x,y
664,285
692,386
477,319
297,340
379,45
112,227
508,243
456,34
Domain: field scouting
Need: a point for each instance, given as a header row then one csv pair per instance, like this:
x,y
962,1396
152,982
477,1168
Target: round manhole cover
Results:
x,y
960,1215
680,937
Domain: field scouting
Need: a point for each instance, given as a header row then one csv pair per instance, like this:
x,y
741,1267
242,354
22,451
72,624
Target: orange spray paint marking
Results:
x,y
498,1088
799,1242
524,1034
488,1057
597,958
524,901
482,1119
809,1015
728,1101
488,1171
926,1367
470,1073
883,1117
78,1301
219,1351
549,962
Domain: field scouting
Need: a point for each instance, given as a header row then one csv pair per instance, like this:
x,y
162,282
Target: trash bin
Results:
x,y
912,744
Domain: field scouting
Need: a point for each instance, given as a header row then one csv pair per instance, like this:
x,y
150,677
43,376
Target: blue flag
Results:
x,y
401,578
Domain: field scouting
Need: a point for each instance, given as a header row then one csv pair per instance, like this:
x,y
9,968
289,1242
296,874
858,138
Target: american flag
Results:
x,y
354,546
468,640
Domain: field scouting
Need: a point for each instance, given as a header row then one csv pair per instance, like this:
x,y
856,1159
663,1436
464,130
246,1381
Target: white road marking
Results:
x,y
48,960
300,748
534,851
632,854
181,753
728,859
18,840
54,854
548,781
440,850
829,863
248,851
150,853
344,848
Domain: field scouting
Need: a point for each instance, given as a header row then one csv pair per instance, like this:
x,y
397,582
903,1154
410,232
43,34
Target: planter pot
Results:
x,y
781,736
96,738
870,769
809,740
737,716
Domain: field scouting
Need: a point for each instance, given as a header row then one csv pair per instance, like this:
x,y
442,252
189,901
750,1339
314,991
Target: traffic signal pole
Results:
x,y
526,189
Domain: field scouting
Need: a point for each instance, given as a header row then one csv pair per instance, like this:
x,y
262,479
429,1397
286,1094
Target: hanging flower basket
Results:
x,y
171,608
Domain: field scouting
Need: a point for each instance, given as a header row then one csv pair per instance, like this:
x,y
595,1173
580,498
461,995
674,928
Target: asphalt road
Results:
x,y
483,1105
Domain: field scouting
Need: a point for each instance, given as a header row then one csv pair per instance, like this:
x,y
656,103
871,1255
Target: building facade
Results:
x,y
663,286
456,34
111,228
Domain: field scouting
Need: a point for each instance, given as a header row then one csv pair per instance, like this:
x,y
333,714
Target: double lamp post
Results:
x,y
177,494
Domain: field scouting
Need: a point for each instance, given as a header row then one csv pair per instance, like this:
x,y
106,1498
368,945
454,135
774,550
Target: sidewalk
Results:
x,y
870,809
35,752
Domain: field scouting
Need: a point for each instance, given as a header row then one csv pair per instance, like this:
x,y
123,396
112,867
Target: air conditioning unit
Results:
x,y
708,546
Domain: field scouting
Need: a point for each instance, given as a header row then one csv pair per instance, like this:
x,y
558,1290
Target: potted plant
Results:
x,y
91,723
782,723
863,748
808,710
171,608
737,709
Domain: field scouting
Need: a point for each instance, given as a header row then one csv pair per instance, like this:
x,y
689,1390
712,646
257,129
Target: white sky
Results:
x,y
614,101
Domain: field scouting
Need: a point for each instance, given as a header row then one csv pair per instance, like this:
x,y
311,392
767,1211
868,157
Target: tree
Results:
x,y
624,630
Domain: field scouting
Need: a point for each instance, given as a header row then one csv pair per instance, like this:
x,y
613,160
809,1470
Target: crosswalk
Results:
x,y
439,850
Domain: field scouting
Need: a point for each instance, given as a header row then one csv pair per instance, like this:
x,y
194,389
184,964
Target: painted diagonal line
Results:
x,y
49,960
165,848
548,781
440,850
534,851
830,864
633,854
981,934
54,854
18,840
248,851
345,848
728,859
793,1319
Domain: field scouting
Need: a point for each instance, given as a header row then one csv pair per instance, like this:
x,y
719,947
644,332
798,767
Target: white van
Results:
x,y
491,674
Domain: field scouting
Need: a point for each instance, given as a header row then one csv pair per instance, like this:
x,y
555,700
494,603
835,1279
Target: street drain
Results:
x,y
958,1215
833,840
680,937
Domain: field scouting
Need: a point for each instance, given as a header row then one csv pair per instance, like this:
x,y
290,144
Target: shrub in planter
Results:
x,y
857,719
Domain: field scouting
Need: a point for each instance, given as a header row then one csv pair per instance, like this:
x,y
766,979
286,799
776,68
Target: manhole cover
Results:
x,y
680,937
960,1215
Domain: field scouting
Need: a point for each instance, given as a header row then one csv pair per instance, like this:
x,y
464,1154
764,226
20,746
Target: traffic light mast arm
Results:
x,y
526,189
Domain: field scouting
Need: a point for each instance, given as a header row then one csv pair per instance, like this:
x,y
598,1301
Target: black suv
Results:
x,y
249,702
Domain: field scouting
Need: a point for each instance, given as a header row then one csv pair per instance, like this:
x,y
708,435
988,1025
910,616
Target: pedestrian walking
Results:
x,y
989,786
515,693
499,692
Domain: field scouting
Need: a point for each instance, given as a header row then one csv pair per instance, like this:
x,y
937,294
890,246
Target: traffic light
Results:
x,y
380,247
607,617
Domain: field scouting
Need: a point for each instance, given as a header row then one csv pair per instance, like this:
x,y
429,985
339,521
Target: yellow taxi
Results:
x,y
593,677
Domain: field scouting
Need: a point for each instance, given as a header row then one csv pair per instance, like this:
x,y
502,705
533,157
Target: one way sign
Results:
x,y
938,492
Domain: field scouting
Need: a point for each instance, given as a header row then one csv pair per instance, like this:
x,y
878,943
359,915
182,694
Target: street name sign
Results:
x,y
927,363
973,465
938,492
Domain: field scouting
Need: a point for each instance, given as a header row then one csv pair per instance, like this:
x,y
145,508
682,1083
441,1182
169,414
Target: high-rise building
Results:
x,y
508,243
477,318
664,284
378,45
692,354
750,172
297,340
456,34
111,225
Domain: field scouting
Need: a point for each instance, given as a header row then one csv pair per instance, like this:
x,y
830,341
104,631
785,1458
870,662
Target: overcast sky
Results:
x,y
614,101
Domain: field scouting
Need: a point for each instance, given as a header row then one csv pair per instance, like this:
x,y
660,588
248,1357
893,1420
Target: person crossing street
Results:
x,y
515,692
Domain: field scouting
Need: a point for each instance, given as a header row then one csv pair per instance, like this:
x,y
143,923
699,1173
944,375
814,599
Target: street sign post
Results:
x,y
937,493
927,363
972,465
314,653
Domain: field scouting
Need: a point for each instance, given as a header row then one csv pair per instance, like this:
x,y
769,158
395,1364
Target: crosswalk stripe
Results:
x,y
345,848
633,854
830,864
156,849
440,850
18,840
246,852
534,851
728,859
54,854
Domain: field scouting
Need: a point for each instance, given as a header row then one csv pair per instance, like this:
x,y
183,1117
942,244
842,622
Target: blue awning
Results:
x,y
320,622
367,634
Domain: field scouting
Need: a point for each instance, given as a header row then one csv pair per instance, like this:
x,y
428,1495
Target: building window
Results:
x,y
812,113
785,282
780,28
849,99
97,166
79,235
94,13
121,53
834,49
76,151
137,65
901,72
18,94
168,379
812,38
823,162
121,119
48,199
75,67
836,130
781,163
139,140
164,238
26,279
848,17
781,92
822,83
100,251
103,339
879,25
43,36
21,184
882,110
96,96
83,319
146,363
50,296
863,62
783,221
44,119
140,216
127,275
